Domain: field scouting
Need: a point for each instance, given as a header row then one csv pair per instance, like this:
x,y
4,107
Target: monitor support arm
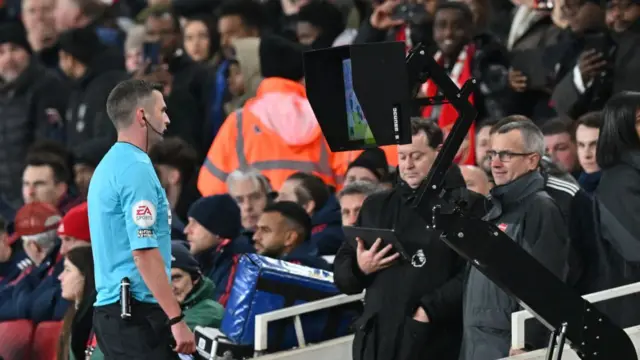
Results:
x,y
591,334
420,67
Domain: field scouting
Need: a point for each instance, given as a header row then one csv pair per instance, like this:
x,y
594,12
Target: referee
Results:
x,y
129,220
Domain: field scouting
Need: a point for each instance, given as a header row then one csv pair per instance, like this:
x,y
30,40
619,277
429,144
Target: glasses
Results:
x,y
505,156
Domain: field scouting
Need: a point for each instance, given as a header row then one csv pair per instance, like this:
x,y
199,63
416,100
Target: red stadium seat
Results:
x,y
15,339
45,340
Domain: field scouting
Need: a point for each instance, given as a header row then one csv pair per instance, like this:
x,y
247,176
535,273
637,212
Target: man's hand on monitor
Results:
x,y
374,259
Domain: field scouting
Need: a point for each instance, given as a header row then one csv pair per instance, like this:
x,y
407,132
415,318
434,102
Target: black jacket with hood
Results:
x,y
432,278
86,115
531,218
31,108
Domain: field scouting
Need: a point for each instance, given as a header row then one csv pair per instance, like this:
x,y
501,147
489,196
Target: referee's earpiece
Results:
x,y
150,126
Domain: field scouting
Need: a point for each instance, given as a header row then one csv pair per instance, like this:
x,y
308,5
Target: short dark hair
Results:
x,y
591,119
313,188
324,15
618,133
467,15
54,148
294,214
177,153
60,169
509,119
490,123
125,98
558,125
430,128
252,13
161,12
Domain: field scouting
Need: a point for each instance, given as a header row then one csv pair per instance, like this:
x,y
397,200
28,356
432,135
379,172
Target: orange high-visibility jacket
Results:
x,y
345,158
244,141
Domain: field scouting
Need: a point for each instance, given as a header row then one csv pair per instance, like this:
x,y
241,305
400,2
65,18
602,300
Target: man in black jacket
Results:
x,y
525,212
412,308
603,68
93,78
577,207
184,80
32,100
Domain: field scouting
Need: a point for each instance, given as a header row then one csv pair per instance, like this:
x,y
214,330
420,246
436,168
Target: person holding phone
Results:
x,y
397,20
585,66
413,306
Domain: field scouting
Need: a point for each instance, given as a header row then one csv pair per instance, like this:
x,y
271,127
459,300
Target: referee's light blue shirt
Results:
x,y
128,210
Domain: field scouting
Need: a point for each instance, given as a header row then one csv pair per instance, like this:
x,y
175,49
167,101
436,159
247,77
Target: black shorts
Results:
x,y
144,336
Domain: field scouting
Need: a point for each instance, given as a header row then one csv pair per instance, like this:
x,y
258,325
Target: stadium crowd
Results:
x,y
246,168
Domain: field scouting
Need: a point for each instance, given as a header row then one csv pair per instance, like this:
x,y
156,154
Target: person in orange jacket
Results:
x,y
276,132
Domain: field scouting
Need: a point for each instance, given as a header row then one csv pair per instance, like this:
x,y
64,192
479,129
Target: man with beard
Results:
x,y
129,221
283,232
412,308
32,99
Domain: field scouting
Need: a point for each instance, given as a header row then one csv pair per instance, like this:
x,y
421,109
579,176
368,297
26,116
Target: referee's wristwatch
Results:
x,y
175,320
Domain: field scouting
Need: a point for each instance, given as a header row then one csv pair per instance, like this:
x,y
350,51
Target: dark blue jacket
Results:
x,y
18,262
177,227
219,265
306,254
326,234
589,182
37,296
45,303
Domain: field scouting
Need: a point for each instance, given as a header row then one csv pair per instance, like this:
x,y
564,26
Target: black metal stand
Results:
x,y
557,338
554,304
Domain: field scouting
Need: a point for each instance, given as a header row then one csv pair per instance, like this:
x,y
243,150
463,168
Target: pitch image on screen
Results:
x,y
357,124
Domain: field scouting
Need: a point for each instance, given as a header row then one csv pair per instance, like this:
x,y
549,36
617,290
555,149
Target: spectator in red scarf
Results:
x,y
452,29
464,55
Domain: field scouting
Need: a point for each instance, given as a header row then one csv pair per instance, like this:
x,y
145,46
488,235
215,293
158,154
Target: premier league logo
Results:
x,y
418,259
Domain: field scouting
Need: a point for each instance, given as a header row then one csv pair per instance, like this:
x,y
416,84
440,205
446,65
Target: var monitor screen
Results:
x,y
357,126
360,94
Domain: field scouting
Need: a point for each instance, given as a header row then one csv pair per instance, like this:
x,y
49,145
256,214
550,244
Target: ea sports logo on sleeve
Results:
x,y
144,214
